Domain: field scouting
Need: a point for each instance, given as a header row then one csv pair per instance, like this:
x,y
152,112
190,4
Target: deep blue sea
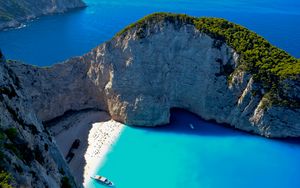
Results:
x,y
56,38
175,156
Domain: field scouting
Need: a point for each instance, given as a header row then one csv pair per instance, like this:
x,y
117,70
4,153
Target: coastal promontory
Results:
x,y
214,68
13,13
209,66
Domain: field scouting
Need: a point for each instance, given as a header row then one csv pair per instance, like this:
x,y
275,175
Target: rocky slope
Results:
x,y
29,155
14,12
161,62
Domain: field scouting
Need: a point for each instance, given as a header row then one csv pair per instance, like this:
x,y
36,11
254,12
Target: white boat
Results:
x,y
192,126
103,180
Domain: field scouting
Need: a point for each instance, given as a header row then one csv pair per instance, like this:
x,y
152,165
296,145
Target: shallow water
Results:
x,y
56,38
210,156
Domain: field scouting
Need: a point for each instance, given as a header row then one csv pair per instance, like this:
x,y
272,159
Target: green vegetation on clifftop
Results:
x,y
268,64
5,177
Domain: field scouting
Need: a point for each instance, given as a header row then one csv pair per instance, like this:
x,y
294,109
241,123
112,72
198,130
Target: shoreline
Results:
x,y
96,131
18,23
102,136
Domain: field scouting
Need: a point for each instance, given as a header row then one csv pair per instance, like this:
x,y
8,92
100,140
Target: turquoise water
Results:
x,y
56,38
210,156
174,156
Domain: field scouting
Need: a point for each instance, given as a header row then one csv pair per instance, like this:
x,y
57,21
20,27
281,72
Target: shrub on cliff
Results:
x,y
11,133
268,64
5,179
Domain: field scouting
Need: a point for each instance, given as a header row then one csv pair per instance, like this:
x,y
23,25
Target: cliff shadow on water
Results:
x,y
185,122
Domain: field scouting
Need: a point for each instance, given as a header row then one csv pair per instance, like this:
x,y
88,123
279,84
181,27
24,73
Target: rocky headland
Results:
x,y
163,62
211,67
14,13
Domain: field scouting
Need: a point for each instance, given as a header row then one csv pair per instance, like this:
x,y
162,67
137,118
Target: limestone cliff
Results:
x,y
161,62
14,12
146,70
28,153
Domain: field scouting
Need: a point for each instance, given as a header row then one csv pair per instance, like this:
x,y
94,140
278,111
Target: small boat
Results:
x,y
103,180
192,126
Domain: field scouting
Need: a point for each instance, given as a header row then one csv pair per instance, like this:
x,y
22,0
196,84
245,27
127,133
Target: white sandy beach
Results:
x,y
96,131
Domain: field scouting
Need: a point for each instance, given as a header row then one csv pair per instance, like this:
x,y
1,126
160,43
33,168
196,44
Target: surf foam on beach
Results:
x,y
101,138
96,132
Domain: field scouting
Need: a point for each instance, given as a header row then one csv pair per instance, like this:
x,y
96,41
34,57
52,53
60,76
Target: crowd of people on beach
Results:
x,y
101,137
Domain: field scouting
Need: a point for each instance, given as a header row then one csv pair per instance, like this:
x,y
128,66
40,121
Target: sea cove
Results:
x,y
169,67
208,156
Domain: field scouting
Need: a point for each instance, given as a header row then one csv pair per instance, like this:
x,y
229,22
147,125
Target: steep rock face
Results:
x,y
143,72
174,65
27,151
13,13
67,87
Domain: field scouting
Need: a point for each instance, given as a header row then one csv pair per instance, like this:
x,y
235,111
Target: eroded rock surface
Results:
x,y
137,77
27,151
142,73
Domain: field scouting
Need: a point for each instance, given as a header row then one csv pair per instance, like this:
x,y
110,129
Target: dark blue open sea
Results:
x,y
211,156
